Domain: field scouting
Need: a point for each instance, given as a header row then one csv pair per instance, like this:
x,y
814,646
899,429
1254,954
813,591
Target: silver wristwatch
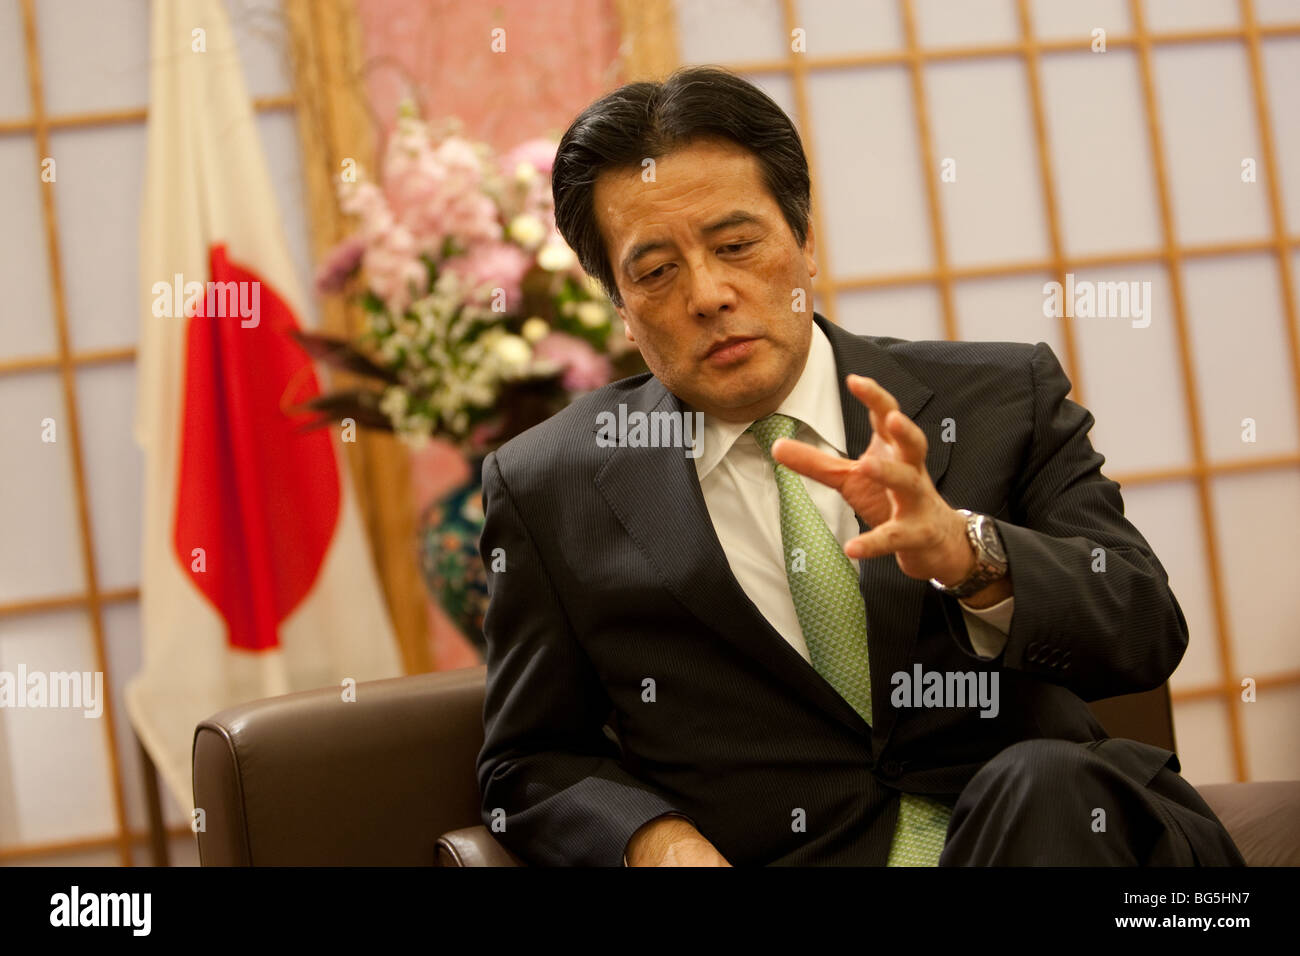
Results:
x,y
990,557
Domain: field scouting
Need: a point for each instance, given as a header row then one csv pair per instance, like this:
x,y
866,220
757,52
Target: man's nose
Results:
x,y
710,288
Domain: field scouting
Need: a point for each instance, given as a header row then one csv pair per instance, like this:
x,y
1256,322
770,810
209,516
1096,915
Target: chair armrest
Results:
x,y
308,779
474,846
1263,819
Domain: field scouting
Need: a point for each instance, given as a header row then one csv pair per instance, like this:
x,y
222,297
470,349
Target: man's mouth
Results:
x,y
729,350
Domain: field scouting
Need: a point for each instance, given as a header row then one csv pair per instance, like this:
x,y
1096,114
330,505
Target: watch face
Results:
x,y
988,533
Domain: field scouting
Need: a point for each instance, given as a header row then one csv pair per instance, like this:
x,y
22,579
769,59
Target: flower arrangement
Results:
x,y
479,320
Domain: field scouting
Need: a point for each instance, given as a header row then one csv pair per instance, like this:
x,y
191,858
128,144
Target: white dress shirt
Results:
x,y
740,491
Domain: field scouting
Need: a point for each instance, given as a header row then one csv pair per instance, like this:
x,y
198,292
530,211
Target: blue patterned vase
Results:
x,y
453,572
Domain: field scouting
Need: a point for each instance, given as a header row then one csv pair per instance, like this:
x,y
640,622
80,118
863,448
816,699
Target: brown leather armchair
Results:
x,y
389,779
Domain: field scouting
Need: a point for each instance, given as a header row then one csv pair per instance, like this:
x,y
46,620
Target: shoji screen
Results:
x,y
74,88
1171,157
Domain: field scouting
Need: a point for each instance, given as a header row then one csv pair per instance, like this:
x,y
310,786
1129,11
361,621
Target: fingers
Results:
x,y
816,464
899,476
889,538
886,539
888,421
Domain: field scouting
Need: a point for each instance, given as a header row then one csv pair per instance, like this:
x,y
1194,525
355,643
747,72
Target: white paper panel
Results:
x,y
1006,309
1131,379
1259,554
104,857
969,23
122,635
873,199
1281,65
14,100
850,26
1201,735
1271,730
122,627
1239,340
980,117
261,36
106,399
1105,196
819,303
8,789
101,173
1295,272
724,31
1277,11
1207,120
780,88
94,55
1052,18
57,756
1166,16
28,321
42,549
1168,515
906,312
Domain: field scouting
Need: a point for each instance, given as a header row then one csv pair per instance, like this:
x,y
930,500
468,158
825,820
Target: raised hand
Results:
x,y
890,489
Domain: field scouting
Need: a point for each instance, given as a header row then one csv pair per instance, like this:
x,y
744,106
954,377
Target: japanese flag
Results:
x,y
256,580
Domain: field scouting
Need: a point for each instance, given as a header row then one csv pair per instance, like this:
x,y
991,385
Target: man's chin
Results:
x,y
733,404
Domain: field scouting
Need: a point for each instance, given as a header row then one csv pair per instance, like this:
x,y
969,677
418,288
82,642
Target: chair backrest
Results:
x,y
1147,717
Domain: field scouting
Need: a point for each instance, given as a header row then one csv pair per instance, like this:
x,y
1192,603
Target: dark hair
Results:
x,y
649,120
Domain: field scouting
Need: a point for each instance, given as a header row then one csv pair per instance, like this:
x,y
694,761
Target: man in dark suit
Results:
x,y
851,612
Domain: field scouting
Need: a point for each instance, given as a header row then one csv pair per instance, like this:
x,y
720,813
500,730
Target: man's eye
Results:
x,y
656,273
737,246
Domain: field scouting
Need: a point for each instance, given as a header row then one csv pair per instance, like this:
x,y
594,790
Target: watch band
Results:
x,y
989,566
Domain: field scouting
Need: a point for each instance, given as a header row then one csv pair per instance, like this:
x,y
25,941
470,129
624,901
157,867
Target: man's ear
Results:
x,y
627,329
809,246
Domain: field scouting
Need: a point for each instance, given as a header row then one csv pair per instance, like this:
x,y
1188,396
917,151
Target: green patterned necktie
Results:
x,y
833,619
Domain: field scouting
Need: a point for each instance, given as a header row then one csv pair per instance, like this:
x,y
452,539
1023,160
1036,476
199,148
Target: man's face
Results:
x,y
707,267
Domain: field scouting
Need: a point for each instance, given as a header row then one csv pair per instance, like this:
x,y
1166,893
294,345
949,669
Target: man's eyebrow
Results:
x,y
737,217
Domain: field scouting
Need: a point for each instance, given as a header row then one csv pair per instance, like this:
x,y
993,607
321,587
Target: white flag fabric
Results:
x,y
255,579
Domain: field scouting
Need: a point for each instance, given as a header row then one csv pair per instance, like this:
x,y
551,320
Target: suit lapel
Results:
x,y
656,496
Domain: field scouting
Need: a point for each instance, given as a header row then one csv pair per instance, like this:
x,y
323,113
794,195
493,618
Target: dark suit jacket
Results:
x,y
614,575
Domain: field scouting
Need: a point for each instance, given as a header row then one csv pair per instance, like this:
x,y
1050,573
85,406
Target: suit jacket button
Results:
x,y
890,768
1031,651
1053,657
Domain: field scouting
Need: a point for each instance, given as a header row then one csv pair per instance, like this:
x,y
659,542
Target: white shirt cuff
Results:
x,y
988,627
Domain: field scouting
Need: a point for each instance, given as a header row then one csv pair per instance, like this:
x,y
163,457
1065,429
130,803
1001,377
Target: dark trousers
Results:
x,y
1111,802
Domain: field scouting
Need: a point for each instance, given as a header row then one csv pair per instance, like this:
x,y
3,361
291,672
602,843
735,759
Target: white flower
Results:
x,y
535,329
527,230
416,430
556,257
525,172
394,402
592,314
512,351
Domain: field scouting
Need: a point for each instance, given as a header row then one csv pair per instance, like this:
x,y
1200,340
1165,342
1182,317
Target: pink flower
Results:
x,y
584,367
538,153
340,263
392,266
437,192
492,265
367,201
